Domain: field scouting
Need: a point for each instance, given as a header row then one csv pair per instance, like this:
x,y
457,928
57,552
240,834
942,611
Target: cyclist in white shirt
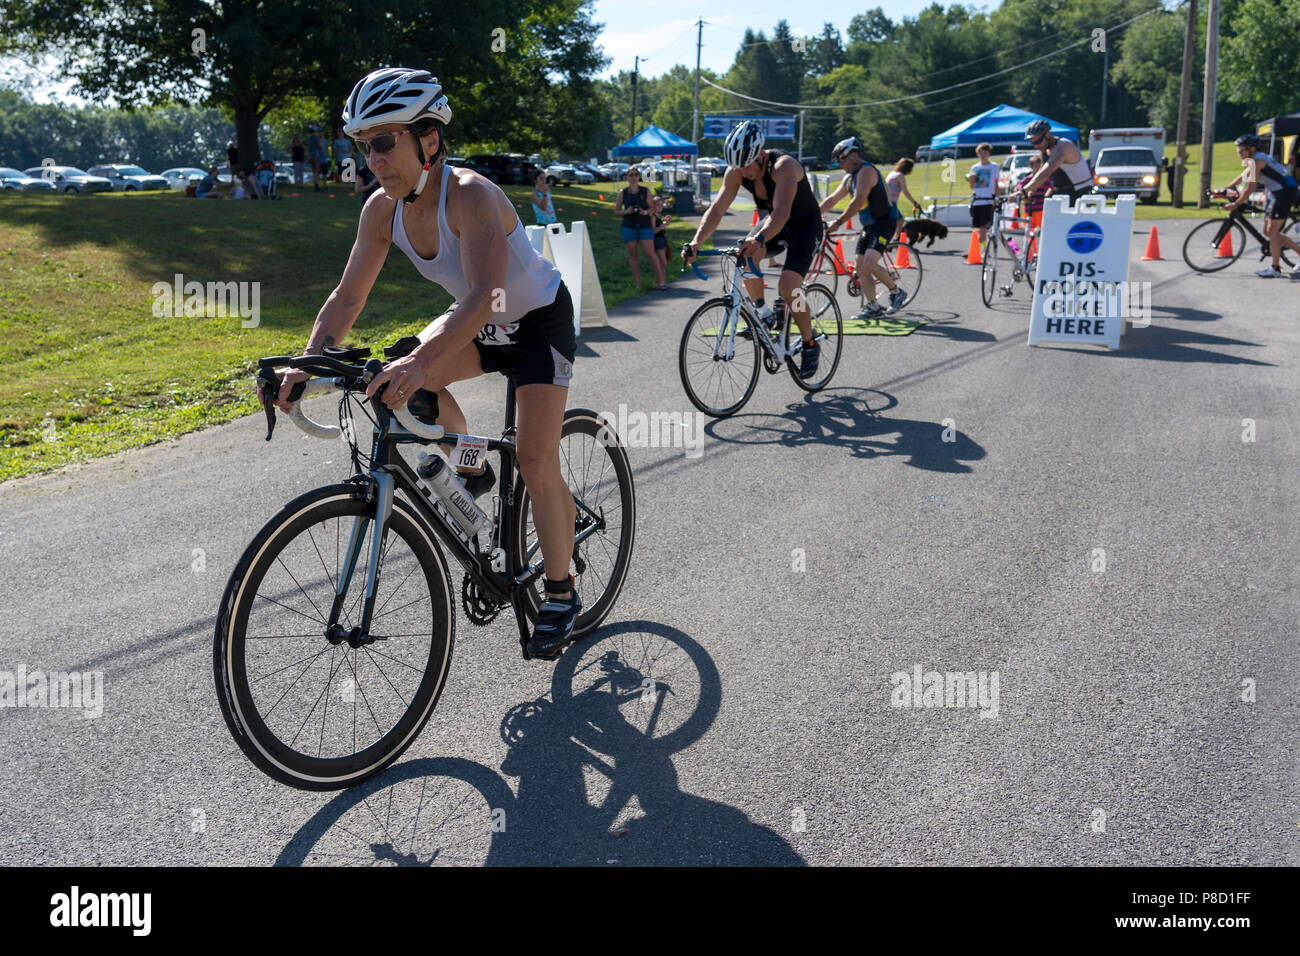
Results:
x,y
1063,164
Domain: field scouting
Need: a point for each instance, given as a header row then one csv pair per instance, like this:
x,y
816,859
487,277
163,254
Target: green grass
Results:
x,y
91,370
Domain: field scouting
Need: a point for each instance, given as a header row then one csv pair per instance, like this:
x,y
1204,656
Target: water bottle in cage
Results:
x,y
442,484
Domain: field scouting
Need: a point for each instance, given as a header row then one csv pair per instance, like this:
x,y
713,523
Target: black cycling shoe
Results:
x,y
477,485
554,628
809,357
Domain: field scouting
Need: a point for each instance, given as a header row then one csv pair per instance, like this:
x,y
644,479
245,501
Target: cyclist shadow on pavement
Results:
x,y
947,325
597,785
852,418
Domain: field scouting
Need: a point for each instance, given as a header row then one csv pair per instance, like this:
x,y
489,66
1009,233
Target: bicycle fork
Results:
x,y
377,525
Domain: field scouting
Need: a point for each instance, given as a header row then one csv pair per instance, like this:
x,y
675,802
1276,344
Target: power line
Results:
x,y
942,89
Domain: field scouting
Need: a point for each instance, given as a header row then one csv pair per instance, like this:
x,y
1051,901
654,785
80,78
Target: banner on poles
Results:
x,y
774,127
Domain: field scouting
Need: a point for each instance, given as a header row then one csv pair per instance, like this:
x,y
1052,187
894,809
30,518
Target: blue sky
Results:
x,y
665,32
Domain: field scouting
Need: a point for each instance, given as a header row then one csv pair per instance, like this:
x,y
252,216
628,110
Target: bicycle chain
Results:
x,y
479,608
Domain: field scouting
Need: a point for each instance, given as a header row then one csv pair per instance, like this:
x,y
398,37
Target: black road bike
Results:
x,y
334,636
1217,243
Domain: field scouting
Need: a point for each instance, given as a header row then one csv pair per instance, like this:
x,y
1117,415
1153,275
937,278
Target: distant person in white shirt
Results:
x,y
983,181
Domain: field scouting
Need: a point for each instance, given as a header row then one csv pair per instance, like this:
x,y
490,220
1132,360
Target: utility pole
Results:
x,y
635,70
1211,96
695,120
1105,70
1184,104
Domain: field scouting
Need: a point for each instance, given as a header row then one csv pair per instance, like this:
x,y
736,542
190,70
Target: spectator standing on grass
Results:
x,y
342,155
659,222
316,153
983,181
633,204
543,204
299,154
232,159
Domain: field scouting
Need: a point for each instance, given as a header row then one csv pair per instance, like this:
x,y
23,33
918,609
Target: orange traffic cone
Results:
x,y
839,258
602,196
754,221
903,260
1153,246
1225,247
973,254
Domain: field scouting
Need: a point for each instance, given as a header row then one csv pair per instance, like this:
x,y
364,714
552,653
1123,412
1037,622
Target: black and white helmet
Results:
x,y
743,144
394,95
846,146
1037,128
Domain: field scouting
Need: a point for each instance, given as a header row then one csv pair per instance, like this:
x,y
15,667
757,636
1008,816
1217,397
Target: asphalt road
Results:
x,y
1121,735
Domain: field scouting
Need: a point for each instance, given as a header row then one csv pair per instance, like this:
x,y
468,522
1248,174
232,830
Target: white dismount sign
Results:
x,y
571,253
1081,286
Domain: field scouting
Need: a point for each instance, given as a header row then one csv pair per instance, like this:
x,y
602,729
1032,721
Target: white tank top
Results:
x,y
531,281
1080,175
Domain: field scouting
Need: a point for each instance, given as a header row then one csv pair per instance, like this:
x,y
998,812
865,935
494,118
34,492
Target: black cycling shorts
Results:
x,y
799,241
541,350
1278,204
981,217
877,235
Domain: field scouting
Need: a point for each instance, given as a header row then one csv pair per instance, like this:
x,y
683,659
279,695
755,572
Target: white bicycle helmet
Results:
x,y
743,144
397,95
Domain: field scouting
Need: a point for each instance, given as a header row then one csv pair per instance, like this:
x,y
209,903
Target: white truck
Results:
x,y
1127,161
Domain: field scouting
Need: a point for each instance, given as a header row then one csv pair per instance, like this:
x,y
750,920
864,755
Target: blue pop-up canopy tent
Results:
x,y
1001,126
653,141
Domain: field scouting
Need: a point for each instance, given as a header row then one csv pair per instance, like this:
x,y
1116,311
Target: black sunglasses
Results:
x,y
383,143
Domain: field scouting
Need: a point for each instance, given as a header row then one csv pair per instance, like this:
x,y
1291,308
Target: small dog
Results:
x,y
931,229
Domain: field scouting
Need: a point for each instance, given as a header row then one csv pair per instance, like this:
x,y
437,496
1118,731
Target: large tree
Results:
x,y
251,56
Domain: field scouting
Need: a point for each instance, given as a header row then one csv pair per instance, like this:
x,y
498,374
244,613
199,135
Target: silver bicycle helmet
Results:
x,y
1037,128
846,146
743,144
397,95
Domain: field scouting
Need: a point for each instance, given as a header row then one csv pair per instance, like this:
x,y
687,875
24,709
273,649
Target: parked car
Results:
x,y
70,179
502,168
128,179
560,173
614,170
1122,170
457,161
813,163
13,179
594,171
284,174
714,165
1014,168
181,176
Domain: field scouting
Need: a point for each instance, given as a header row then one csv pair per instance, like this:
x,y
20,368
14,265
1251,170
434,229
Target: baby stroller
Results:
x,y
264,173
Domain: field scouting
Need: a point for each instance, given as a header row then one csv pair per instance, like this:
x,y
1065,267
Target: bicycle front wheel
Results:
x,y
1214,244
596,468
828,332
989,270
906,277
309,707
718,384
825,269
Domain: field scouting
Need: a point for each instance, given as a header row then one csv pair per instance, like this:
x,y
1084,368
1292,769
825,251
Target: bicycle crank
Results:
x,y
479,608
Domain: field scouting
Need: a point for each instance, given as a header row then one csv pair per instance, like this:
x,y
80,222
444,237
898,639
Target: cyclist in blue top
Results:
x,y
879,218
1263,171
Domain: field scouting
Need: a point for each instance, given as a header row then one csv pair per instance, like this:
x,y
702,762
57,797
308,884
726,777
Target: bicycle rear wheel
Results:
x,y
309,709
718,386
909,277
1207,249
828,332
989,270
598,473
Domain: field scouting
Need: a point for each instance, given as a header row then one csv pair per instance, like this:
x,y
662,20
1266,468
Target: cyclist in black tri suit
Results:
x,y
879,218
779,185
1063,164
1280,189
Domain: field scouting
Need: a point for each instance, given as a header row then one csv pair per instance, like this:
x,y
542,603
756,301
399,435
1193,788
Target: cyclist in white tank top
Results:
x,y
1063,164
1281,193
512,313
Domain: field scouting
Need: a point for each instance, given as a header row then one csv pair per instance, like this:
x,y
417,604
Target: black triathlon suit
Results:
x,y
802,232
878,222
